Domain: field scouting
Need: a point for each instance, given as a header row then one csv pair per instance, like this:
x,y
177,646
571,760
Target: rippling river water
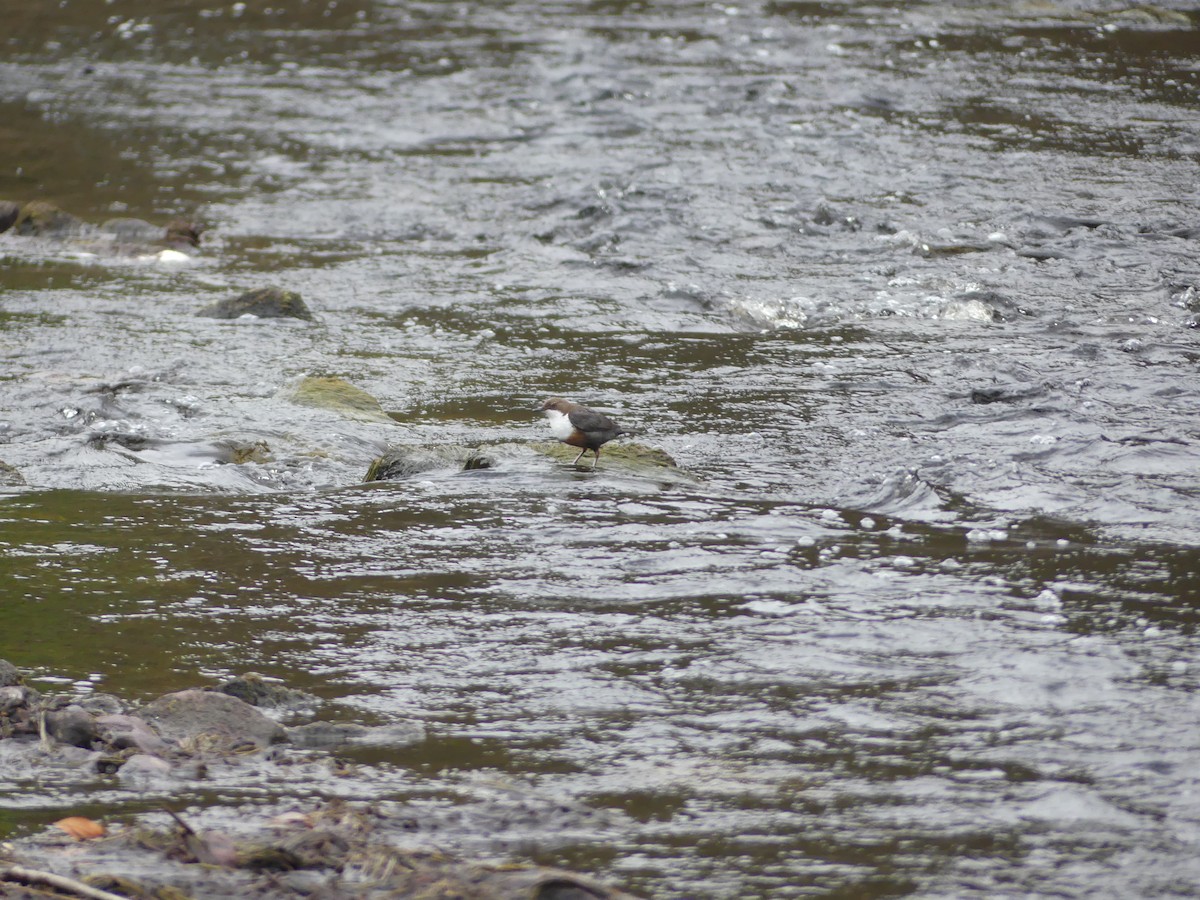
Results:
x,y
908,292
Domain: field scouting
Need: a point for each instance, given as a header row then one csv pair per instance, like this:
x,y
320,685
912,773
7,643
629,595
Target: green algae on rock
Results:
x,y
626,453
406,460
262,303
338,395
42,218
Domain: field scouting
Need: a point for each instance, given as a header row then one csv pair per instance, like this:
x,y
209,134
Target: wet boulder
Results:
x,y
46,220
405,461
9,674
100,704
211,721
9,212
262,303
256,690
122,732
182,233
16,700
72,725
627,454
142,767
1015,392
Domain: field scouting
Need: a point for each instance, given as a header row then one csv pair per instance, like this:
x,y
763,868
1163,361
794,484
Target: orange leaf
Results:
x,y
80,828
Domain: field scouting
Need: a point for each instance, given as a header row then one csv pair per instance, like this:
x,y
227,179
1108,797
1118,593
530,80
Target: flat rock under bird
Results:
x,y
580,426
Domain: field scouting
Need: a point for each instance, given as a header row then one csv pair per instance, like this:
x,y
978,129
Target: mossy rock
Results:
x,y
406,461
240,452
338,395
263,303
624,452
41,218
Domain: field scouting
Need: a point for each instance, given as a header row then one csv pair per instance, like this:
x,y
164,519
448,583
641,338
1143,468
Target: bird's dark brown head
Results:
x,y
557,403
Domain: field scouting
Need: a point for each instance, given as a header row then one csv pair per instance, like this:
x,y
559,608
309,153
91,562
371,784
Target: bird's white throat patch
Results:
x,y
560,425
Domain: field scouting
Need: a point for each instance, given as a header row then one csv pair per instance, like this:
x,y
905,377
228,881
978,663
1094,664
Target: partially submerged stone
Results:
x,y
9,674
210,721
405,461
123,732
240,452
142,768
39,217
15,703
625,453
9,211
128,229
71,725
332,735
262,303
409,460
256,690
340,396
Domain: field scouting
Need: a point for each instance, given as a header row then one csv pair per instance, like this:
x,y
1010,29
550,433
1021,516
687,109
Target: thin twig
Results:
x,y
59,882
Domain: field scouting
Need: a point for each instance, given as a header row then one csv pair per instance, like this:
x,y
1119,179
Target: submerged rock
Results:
x,y
125,229
240,452
210,721
408,460
338,395
262,303
45,219
1007,393
331,735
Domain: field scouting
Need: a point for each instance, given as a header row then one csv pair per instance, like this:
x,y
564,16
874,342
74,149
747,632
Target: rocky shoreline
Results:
x,y
310,847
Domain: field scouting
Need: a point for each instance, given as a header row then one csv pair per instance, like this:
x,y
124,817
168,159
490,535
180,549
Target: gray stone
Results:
x,y
142,768
122,732
9,674
16,696
210,721
252,688
72,725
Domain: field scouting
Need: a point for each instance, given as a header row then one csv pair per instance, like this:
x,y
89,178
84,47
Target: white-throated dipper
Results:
x,y
580,427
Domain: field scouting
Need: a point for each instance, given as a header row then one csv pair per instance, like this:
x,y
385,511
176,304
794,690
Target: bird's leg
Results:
x,y
596,458
579,457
